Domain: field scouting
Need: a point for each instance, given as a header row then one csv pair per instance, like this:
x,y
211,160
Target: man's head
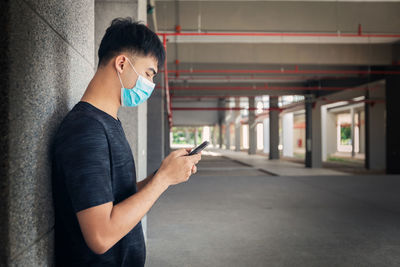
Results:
x,y
127,36
129,49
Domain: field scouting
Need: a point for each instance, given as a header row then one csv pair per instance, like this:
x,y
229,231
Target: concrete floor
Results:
x,y
232,215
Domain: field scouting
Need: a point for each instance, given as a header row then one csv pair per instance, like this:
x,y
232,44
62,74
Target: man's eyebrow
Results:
x,y
154,71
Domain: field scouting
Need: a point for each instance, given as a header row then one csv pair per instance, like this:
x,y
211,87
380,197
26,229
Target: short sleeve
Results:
x,y
84,160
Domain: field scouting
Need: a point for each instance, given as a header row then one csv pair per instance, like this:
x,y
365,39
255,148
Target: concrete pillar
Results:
x,y
392,124
167,132
221,120
266,135
187,135
196,133
361,123
228,135
46,56
220,135
313,134
375,133
252,127
287,130
273,128
205,135
329,133
155,117
214,135
237,125
134,120
352,132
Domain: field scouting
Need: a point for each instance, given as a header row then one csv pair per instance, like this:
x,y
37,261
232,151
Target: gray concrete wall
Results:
x,y
376,156
50,47
134,120
155,127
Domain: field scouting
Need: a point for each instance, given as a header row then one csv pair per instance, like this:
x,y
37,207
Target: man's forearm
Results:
x,y
126,214
142,183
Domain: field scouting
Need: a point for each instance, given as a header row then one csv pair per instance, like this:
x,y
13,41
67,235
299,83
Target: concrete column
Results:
x,y
392,124
252,127
46,56
362,131
220,135
196,133
313,134
155,117
214,135
287,130
308,115
266,135
167,132
205,135
227,135
134,120
221,120
273,128
187,135
329,133
375,133
316,144
237,125
352,132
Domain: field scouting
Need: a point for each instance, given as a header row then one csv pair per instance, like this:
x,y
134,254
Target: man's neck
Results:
x,y
103,94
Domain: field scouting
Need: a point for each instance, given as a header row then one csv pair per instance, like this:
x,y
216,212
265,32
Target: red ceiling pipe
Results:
x,y
295,71
292,34
222,108
272,88
323,100
252,77
167,93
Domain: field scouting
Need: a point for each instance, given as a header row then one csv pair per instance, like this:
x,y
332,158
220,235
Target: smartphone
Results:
x,y
199,148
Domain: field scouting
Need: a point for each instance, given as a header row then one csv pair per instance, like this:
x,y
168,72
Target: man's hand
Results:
x,y
177,167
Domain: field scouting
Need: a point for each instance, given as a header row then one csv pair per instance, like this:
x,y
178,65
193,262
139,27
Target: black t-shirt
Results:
x,y
92,164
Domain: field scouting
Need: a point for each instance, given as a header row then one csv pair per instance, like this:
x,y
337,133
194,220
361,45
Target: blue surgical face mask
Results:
x,y
139,93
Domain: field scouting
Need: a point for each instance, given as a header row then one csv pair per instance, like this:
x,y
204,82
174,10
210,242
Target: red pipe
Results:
x,y
223,108
252,77
295,71
275,88
278,34
167,94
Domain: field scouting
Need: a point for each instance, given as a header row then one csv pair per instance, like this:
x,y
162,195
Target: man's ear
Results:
x,y
119,63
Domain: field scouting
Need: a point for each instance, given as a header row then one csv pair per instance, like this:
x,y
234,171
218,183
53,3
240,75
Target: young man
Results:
x,y
98,204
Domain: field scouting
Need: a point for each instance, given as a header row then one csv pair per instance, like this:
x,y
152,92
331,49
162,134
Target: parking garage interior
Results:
x,y
297,99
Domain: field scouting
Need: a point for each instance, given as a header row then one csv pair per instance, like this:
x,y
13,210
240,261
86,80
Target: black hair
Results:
x,y
125,34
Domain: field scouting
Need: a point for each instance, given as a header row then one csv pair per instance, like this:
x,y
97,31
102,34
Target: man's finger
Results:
x,y
182,152
194,158
194,169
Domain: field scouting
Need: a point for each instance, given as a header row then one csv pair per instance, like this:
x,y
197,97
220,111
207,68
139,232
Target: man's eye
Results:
x,y
147,74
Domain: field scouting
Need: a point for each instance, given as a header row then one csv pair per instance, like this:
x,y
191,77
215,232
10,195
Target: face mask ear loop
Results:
x,y
132,66
133,69
119,77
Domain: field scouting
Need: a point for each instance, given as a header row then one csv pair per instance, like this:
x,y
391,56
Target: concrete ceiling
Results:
x,y
192,53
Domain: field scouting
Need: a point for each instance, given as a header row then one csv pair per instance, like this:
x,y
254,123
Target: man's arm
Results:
x,y
141,184
104,225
